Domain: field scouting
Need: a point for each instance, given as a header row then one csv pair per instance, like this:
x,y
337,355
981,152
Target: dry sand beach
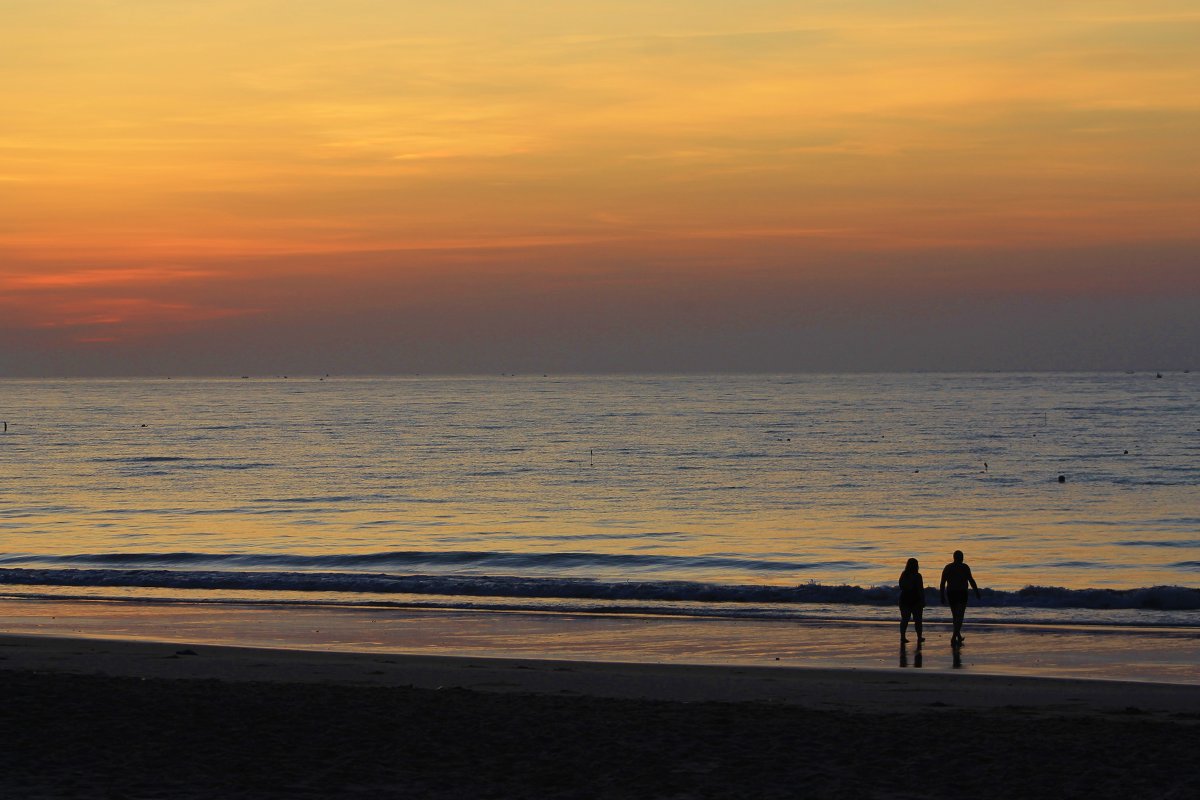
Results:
x,y
100,718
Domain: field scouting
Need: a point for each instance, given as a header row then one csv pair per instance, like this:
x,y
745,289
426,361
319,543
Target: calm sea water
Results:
x,y
751,495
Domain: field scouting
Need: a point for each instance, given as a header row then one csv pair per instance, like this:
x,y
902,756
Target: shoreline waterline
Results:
x,y
1120,653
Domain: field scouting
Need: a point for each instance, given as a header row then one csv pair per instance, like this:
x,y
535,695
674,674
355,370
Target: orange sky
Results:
x,y
463,185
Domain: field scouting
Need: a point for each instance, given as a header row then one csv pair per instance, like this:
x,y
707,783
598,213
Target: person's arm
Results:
x,y
942,588
974,585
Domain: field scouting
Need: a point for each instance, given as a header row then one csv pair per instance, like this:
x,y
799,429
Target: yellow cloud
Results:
x,y
155,129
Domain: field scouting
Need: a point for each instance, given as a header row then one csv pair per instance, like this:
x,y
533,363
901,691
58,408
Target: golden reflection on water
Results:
x,y
1029,550
773,480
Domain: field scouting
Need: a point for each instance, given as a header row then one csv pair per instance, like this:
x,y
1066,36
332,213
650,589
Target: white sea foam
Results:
x,y
1158,598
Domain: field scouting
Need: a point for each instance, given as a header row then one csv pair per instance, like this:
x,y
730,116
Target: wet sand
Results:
x,y
1160,655
98,718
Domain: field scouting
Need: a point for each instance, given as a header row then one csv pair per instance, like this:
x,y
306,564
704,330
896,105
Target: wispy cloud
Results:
x,y
153,165
104,277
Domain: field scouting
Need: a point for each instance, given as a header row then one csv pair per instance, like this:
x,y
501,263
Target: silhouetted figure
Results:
x,y
912,599
956,576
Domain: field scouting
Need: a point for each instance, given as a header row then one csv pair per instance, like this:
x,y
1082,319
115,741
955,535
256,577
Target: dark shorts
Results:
x,y
956,597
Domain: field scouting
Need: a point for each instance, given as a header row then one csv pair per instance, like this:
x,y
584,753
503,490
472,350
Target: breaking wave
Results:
x,y
1159,598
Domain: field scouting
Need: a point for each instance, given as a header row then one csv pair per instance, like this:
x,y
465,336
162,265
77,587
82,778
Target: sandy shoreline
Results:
x,y
100,718
1159,655
869,690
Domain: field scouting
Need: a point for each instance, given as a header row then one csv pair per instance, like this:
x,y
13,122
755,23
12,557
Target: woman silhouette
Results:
x,y
912,599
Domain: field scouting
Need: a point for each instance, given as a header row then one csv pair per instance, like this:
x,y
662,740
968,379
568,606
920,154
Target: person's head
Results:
x,y
958,556
911,566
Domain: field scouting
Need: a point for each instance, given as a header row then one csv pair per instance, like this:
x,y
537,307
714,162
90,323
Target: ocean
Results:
x,y
740,497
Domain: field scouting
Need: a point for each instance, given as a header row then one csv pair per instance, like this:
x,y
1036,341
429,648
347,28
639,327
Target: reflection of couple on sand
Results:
x,y
956,576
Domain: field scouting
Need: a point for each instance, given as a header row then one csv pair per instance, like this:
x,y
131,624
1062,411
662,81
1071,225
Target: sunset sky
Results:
x,y
372,186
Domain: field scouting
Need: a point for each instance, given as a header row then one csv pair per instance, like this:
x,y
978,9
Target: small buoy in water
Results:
x,y
1062,478
1158,374
1126,453
143,424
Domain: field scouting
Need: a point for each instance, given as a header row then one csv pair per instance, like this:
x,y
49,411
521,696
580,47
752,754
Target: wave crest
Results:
x,y
1159,598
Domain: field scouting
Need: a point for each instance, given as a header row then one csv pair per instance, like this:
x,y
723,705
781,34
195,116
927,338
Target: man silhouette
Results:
x,y
955,578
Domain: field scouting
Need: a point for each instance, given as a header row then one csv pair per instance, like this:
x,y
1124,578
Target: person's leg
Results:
x,y
958,611
904,615
917,615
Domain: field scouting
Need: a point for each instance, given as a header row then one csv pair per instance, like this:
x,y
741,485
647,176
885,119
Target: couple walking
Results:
x,y
956,576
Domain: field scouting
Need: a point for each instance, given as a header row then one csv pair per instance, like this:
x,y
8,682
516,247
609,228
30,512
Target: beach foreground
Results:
x,y
98,718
